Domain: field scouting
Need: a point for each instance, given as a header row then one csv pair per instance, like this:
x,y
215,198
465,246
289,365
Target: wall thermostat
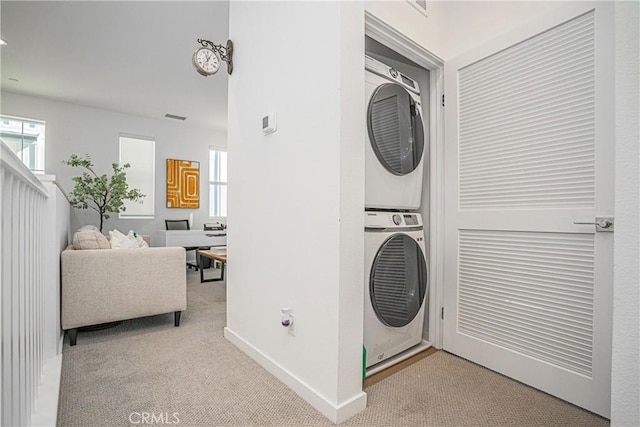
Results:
x,y
269,123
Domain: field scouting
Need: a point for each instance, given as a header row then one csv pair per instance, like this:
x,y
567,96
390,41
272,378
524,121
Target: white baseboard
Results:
x,y
45,412
336,413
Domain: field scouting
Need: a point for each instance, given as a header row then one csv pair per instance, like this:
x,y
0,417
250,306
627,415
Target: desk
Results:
x,y
192,238
217,254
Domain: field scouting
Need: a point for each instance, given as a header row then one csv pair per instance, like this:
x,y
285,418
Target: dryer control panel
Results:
x,y
381,220
390,73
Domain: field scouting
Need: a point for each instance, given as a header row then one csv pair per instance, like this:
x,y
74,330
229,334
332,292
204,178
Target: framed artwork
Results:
x,y
183,184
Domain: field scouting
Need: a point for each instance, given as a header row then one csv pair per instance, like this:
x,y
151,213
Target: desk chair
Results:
x,y
183,224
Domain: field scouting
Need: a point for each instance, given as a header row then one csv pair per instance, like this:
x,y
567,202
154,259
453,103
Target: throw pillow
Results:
x,y
121,241
138,239
89,239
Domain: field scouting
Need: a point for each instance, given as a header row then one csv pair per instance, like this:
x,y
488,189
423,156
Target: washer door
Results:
x,y
395,129
398,281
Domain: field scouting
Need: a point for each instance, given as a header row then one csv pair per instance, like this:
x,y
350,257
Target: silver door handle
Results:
x,y
601,223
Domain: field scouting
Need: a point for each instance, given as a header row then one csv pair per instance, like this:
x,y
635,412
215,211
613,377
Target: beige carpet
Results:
x,y
192,376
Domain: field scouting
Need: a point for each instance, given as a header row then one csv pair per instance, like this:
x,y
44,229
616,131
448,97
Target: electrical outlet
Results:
x,y
287,319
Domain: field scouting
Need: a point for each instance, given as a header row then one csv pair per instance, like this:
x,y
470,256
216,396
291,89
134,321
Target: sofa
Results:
x,y
107,285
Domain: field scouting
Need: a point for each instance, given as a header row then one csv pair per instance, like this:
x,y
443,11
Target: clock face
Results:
x,y
206,61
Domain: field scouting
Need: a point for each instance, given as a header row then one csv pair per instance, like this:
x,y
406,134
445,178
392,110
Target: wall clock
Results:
x,y
208,58
206,61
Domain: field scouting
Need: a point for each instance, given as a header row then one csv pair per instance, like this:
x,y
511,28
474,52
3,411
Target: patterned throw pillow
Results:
x,y
88,227
90,239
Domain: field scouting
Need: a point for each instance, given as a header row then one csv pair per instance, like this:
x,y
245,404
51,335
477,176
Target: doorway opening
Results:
x,y
387,45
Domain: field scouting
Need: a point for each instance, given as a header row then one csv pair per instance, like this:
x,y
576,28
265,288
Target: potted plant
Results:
x,y
103,194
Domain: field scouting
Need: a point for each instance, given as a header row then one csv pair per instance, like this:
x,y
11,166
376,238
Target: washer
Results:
x,y
395,139
396,284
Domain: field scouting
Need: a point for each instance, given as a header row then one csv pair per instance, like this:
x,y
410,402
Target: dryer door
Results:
x,y
395,128
398,281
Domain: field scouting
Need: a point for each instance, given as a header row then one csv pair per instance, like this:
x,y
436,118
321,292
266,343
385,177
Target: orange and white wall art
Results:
x,y
183,184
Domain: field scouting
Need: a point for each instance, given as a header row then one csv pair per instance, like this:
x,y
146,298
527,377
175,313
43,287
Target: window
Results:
x,y
25,137
139,152
217,183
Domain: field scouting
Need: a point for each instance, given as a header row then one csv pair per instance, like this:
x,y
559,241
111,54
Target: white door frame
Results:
x,y
392,38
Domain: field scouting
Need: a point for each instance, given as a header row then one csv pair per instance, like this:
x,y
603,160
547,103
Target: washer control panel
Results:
x,y
390,73
375,219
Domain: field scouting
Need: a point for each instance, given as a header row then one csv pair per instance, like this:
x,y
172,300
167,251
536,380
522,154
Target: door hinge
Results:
x,y
442,313
443,99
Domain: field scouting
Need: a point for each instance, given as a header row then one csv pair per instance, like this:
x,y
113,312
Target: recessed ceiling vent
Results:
x,y
173,116
421,5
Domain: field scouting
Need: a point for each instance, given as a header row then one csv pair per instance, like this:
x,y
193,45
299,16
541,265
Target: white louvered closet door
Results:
x,y
529,151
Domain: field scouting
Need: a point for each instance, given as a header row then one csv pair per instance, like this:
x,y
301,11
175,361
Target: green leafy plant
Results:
x,y
103,194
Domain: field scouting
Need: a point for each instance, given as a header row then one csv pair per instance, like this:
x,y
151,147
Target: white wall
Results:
x,y
296,196
76,129
625,386
453,27
430,32
472,23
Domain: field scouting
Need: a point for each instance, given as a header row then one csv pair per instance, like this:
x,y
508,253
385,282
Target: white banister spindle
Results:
x,y
15,298
22,297
23,284
33,373
35,310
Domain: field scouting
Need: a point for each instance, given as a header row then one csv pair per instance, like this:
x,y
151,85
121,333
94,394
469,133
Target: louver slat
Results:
x,y
527,123
529,292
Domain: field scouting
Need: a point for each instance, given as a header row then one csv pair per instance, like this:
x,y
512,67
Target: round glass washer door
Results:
x,y
395,129
398,281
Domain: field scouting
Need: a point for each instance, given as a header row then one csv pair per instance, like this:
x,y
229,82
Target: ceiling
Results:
x,y
131,57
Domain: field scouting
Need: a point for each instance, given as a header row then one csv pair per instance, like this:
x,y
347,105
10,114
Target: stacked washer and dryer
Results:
x,y
396,276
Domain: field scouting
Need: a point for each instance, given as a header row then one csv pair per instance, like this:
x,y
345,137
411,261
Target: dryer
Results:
x,y
396,284
395,145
